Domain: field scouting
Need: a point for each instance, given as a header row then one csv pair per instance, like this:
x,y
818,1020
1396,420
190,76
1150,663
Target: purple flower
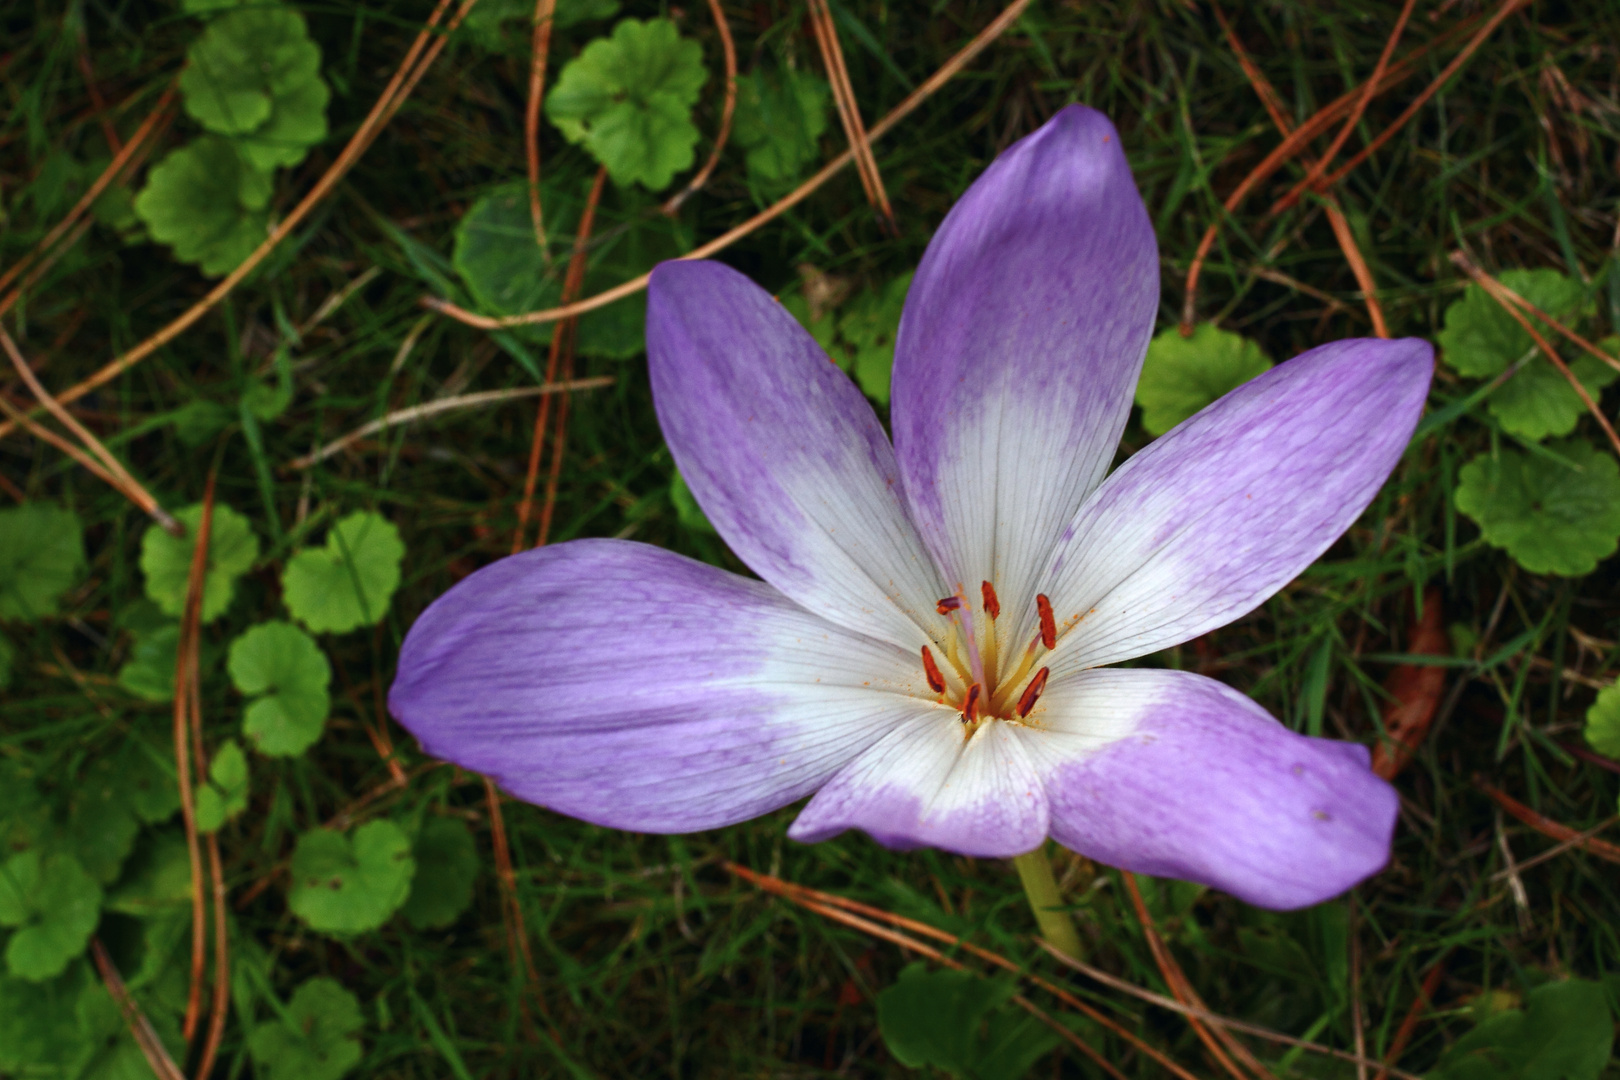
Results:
x,y
925,653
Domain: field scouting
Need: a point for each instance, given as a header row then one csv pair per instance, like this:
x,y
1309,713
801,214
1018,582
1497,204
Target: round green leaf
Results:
x,y
1537,401
149,672
780,118
166,560
628,98
344,886
225,794
870,326
208,203
287,675
349,582
102,823
41,556
158,877
39,1033
1552,518
1182,375
54,904
318,1038
1603,722
446,865
1480,339
255,75
504,269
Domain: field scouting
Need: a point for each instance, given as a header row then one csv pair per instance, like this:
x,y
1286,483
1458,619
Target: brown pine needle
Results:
x,y
1358,265
185,678
728,50
543,19
126,483
479,400
849,111
1548,827
140,1028
946,72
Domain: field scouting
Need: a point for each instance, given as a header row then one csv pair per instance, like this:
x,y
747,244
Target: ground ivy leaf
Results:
x,y
255,75
1603,722
1182,375
628,98
39,1033
954,1021
1551,518
287,675
780,118
446,866
157,877
41,557
344,885
687,510
166,560
1480,339
349,582
318,1039
1565,1033
102,823
497,258
225,794
869,327
149,671
54,905
207,203
1538,401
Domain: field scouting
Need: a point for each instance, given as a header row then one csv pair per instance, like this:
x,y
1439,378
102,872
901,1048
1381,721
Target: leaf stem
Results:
x,y
1035,871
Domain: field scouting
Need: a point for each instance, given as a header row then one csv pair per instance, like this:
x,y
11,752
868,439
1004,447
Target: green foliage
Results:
x,y
1551,517
157,877
149,672
287,675
628,98
486,22
780,118
254,75
225,793
957,1022
7,657
207,202
1182,375
102,822
504,269
1566,1033
349,582
446,866
869,328
344,885
317,1038
41,557
1480,339
38,1025
166,560
53,904
687,510
1603,722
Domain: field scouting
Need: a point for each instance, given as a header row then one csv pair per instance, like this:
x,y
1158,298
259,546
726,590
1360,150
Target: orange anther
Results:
x,y
992,606
1048,623
970,707
936,681
1032,692
948,605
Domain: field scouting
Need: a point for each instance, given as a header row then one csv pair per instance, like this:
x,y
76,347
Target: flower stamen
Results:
x,y
1032,692
956,605
1048,623
936,681
992,604
970,704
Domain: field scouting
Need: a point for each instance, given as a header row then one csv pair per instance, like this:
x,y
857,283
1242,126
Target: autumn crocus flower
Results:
x,y
925,655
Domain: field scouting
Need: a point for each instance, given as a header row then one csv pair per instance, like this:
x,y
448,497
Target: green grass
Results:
x,y
652,960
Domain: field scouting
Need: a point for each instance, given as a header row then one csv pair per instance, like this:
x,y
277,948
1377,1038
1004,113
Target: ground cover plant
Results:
x,y
274,381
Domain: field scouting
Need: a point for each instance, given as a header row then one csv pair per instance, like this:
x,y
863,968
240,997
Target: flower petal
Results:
x,y
784,454
1207,522
1174,774
631,687
1020,346
924,785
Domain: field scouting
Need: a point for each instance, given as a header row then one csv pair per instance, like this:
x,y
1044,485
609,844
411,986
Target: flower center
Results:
x,y
977,681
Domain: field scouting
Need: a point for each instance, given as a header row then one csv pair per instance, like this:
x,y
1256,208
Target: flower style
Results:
x,y
925,653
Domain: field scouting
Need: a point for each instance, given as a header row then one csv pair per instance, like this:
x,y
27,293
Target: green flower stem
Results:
x,y
1035,871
